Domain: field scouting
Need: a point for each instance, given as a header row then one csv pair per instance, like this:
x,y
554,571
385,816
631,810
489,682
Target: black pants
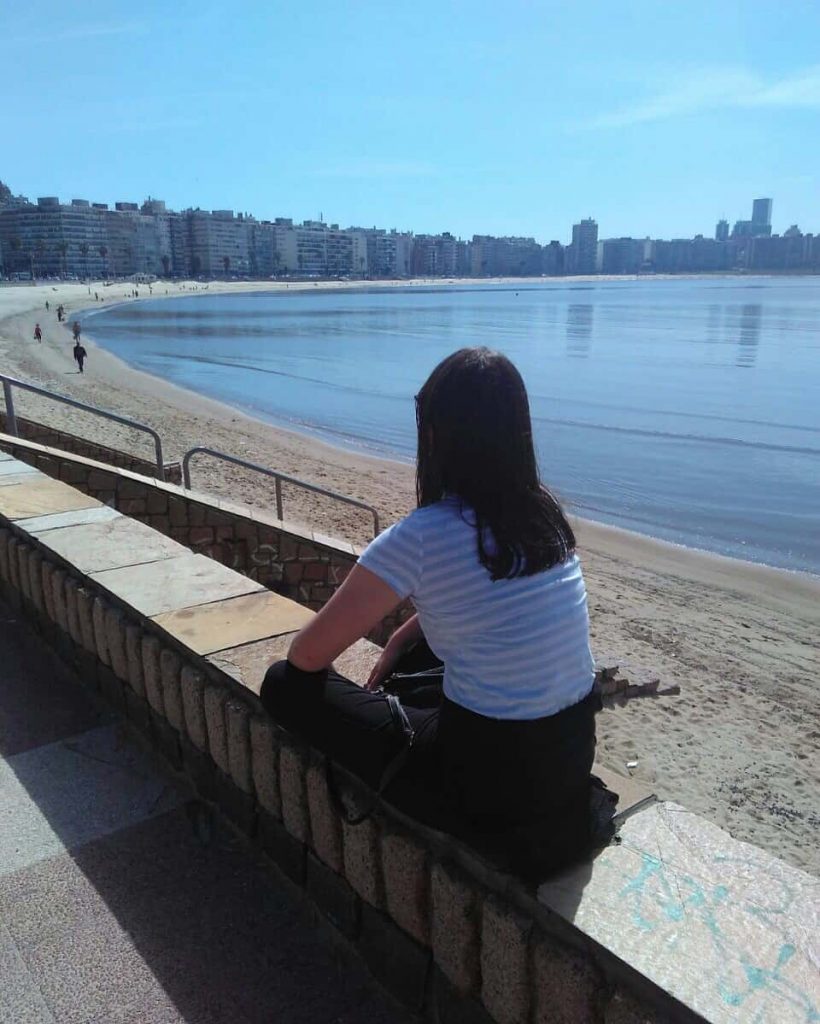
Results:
x,y
518,790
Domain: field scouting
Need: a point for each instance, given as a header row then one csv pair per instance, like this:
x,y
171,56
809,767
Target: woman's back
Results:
x,y
512,648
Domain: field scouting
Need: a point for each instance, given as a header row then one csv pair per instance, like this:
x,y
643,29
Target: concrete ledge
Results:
x,y
676,923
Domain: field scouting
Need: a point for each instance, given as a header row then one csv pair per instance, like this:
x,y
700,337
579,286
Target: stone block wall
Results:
x,y
446,933
290,560
62,440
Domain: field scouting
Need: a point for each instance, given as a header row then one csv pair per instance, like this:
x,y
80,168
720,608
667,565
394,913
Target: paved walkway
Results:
x,y
119,902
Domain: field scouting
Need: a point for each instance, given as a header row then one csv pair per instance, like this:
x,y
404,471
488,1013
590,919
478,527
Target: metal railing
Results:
x,y
11,419
278,478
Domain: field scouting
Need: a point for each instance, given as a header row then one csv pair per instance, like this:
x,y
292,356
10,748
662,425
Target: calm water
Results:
x,y
688,410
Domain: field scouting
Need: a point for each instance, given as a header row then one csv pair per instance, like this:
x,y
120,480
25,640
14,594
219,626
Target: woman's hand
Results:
x,y
385,665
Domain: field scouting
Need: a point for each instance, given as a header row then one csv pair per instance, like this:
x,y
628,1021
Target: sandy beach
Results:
x,y
740,744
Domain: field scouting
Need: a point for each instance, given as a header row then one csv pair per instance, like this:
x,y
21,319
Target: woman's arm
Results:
x,y
396,645
359,604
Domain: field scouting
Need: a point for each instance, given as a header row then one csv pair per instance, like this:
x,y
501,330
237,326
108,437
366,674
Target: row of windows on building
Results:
x,y
82,239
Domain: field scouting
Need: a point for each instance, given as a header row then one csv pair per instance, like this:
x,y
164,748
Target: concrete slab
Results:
x,y
356,663
110,544
57,797
77,517
15,468
40,495
173,583
5,456
727,929
248,664
239,620
21,1001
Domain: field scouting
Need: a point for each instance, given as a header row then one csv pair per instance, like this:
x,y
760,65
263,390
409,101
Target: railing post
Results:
x,y
11,419
279,512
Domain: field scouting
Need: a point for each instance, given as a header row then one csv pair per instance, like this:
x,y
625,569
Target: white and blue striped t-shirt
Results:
x,y
513,648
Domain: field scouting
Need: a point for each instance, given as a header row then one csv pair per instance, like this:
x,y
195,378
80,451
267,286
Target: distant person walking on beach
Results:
x,y
76,331
46,305
79,354
38,334
60,314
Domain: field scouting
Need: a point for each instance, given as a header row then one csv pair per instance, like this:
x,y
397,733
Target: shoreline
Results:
x,y
317,436
740,745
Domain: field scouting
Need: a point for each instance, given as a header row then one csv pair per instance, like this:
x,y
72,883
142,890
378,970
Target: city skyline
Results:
x,y
476,117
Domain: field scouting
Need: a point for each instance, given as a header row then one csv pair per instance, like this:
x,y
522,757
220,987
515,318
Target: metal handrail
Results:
x,y
278,478
11,419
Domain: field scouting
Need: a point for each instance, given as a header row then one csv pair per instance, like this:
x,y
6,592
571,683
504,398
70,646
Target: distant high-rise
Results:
x,y
762,217
722,230
583,252
762,212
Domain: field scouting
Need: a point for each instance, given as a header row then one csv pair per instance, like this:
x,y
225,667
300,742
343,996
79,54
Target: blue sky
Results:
x,y
505,118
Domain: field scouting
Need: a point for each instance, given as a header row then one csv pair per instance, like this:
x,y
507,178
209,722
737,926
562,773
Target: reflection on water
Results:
x,y
751,318
579,329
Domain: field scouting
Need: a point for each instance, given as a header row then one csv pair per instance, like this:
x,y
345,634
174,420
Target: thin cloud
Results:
x,y
719,89
90,30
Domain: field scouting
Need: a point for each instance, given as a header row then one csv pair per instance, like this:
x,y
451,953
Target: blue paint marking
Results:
x,y
658,899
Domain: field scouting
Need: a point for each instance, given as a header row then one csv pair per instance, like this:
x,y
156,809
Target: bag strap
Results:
x,y
401,724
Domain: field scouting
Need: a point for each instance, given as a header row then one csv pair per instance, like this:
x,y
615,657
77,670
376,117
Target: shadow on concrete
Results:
x,y
122,911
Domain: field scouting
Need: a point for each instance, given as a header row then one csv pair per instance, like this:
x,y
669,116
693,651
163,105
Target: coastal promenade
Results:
x,y
123,900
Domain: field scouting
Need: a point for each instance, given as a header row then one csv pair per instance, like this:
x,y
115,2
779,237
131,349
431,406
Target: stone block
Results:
x,y
333,896
325,828
505,975
35,569
362,860
456,911
215,698
48,590
111,688
137,711
567,987
5,537
133,657
237,725
170,668
292,769
23,551
289,854
151,648
265,764
400,963
165,738
405,866
624,1009
156,502
449,1006
199,768
192,684
85,605
98,608
58,579
73,611
13,564
115,638
239,807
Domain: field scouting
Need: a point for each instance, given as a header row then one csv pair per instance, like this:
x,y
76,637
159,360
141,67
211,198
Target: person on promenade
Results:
x,y
500,750
38,334
79,353
76,330
46,305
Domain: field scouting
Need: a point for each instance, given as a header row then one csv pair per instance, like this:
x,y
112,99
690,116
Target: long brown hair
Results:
x,y
475,443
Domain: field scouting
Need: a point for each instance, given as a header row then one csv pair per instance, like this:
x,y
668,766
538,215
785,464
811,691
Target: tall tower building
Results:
x,y
584,248
722,230
762,217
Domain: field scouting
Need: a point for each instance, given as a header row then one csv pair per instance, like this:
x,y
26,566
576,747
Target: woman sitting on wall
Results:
x,y
503,755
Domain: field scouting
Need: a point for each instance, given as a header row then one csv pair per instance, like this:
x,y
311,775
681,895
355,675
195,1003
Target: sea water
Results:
x,y
687,409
